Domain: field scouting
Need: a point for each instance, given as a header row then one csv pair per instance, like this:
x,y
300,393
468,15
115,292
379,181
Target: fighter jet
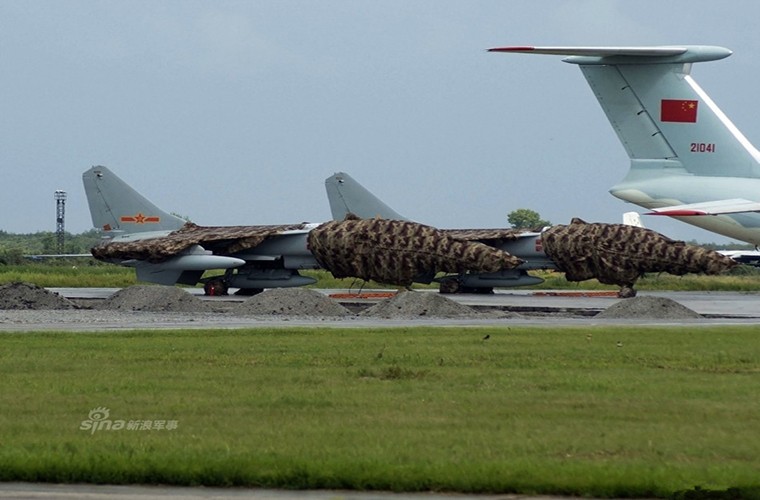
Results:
x,y
166,249
615,254
349,198
688,161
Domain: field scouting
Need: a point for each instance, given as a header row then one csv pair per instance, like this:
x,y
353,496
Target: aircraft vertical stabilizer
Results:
x,y
117,208
684,151
348,196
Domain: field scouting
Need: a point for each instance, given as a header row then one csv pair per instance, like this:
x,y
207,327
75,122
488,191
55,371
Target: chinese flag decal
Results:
x,y
678,110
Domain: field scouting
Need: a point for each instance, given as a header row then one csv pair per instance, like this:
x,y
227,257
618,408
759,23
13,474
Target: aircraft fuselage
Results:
x,y
658,192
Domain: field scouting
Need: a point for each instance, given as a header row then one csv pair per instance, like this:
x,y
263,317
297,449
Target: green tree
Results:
x,y
525,218
11,256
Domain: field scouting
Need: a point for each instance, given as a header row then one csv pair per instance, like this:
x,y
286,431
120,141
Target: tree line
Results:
x,y
13,246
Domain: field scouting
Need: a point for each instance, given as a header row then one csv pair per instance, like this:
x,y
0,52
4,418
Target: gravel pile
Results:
x,y
290,301
410,305
19,295
154,298
647,308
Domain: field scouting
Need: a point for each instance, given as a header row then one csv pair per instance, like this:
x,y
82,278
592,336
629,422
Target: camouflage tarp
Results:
x,y
220,240
485,235
397,252
618,254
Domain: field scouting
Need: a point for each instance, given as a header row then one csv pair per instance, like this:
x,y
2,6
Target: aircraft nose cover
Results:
x,y
396,252
618,254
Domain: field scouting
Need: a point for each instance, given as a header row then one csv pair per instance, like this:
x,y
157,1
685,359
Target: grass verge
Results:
x,y
89,273
70,273
529,410
742,279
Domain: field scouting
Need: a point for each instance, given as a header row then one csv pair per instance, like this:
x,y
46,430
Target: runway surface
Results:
x,y
34,491
556,309
710,304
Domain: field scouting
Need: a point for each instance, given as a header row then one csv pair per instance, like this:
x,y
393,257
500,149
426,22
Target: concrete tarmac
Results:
x,y
741,306
708,304
36,491
532,309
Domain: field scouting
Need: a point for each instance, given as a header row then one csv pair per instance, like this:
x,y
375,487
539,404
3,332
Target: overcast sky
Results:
x,y
234,112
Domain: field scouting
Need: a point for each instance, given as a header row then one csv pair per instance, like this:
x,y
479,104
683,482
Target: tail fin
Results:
x,y
117,208
348,196
685,153
666,122
632,219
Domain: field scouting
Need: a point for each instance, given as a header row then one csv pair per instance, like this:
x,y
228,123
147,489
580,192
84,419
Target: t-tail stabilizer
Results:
x,y
683,149
116,208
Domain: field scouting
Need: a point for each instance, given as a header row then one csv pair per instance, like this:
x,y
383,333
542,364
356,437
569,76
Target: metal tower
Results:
x,y
60,214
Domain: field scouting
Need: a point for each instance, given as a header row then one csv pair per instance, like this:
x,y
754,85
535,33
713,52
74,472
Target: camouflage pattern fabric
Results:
x,y
490,236
618,254
396,252
220,240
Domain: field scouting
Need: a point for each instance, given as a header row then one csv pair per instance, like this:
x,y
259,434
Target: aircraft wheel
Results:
x,y
450,285
214,288
482,290
247,292
626,292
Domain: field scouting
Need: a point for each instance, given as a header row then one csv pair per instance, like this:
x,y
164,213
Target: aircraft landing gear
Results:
x,y
247,292
215,287
626,292
453,285
450,285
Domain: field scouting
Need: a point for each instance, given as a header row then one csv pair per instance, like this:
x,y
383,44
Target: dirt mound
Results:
x,y
409,305
290,301
648,308
19,295
154,298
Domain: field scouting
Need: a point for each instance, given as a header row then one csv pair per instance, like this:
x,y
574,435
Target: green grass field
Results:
x,y
69,273
598,411
89,273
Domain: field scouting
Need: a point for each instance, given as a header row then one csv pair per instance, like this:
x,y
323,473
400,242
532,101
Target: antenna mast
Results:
x,y
60,214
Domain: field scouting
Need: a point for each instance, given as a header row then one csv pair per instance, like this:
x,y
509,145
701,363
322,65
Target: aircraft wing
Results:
x,y
227,240
718,207
612,54
58,256
489,236
595,51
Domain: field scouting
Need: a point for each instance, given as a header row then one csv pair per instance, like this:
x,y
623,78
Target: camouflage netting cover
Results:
x,y
396,252
220,240
485,235
618,254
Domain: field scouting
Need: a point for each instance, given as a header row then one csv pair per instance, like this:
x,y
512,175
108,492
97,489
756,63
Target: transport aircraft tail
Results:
x,y
687,158
116,208
658,111
632,219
